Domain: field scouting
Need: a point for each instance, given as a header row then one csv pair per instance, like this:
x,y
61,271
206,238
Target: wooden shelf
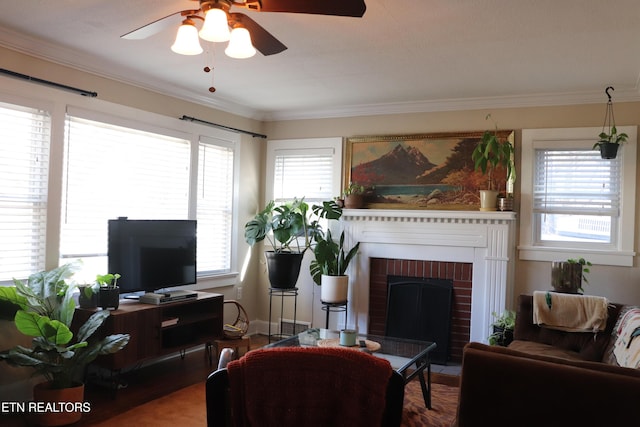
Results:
x,y
199,321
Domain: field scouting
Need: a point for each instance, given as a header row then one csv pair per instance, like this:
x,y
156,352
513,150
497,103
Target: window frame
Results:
x,y
23,104
59,102
531,247
299,145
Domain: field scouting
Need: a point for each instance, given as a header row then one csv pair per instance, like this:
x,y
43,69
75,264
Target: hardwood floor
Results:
x,y
143,384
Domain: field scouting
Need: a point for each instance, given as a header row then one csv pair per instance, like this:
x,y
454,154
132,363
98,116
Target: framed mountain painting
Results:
x,y
424,171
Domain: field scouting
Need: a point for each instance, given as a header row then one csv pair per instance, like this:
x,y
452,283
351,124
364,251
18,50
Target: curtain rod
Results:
x,y
253,134
49,83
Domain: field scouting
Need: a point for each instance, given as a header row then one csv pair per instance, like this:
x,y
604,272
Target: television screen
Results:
x,y
152,254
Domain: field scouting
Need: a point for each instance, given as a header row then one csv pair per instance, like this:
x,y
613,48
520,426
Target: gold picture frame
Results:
x,y
420,171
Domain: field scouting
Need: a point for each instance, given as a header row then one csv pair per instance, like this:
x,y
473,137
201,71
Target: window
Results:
x,y
309,168
576,197
116,168
24,171
215,202
113,171
304,168
573,202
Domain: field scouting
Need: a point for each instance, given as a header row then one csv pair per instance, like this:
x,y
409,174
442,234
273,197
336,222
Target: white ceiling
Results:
x,y
402,56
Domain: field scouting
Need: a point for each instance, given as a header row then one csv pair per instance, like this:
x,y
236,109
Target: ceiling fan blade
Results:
x,y
355,8
262,40
154,27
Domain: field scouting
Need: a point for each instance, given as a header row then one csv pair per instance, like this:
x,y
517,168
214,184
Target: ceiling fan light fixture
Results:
x,y
216,26
187,41
240,46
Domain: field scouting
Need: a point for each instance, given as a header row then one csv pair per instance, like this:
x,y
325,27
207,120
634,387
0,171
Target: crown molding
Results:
x,y
455,104
83,61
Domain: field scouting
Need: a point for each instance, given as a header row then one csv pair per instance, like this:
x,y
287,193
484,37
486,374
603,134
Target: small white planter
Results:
x,y
334,288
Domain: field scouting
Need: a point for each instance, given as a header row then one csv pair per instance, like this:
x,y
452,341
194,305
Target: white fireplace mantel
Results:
x,y
485,239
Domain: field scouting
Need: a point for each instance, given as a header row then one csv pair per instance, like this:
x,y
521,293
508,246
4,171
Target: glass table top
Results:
x,y
401,352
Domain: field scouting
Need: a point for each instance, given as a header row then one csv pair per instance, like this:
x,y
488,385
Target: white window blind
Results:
x,y
215,207
576,182
24,171
307,173
113,171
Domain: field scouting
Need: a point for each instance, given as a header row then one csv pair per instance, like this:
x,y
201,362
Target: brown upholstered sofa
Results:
x,y
531,338
547,378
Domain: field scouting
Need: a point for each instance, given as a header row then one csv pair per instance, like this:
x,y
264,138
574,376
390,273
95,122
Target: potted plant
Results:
x,y
353,196
45,310
567,276
88,295
608,143
503,327
290,230
329,267
492,153
609,139
109,291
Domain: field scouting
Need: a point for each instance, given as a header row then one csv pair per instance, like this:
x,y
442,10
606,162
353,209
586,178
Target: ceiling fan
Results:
x,y
257,37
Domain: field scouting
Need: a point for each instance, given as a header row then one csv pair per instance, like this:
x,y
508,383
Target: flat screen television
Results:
x,y
152,254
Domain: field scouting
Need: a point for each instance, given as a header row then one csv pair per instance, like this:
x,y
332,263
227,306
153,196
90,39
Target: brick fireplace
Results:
x,y
459,273
474,248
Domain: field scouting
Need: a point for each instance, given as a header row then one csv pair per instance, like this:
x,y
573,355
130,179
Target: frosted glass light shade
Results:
x,y
187,42
216,26
240,46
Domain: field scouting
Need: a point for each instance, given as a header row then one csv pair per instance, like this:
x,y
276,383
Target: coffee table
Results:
x,y
403,354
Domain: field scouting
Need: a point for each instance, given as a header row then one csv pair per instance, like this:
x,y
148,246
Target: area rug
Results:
x,y
186,407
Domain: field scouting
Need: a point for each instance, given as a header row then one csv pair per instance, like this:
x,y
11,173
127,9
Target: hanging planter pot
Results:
x,y
609,138
608,150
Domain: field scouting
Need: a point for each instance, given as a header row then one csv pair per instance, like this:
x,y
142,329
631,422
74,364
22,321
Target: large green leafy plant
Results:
x,y
290,227
331,257
492,153
45,311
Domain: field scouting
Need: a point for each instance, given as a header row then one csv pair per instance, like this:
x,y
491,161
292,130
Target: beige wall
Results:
x,y
620,284
616,283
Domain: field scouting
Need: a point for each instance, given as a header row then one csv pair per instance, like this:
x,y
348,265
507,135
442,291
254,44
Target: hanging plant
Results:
x,y
609,139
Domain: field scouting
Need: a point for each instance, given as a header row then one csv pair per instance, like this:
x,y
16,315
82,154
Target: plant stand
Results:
x,y
282,293
335,307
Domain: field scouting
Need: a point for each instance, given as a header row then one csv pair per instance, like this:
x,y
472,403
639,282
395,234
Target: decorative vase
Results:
x,y
334,288
488,199
283,268
566,277
608,150
109,297
68,404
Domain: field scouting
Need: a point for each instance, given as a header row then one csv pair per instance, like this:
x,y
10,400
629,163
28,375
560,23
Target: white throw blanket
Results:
x,y
570,312
627,345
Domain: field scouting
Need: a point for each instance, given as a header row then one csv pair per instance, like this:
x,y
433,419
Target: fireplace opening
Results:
x,y
420,309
